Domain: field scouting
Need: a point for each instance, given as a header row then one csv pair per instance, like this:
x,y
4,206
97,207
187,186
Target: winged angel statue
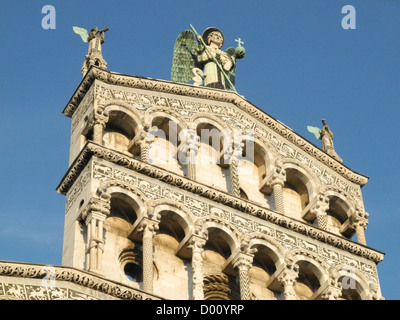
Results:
x,y
199,58
95,38
326,135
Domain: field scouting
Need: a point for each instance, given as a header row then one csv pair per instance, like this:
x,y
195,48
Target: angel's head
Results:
x,y
213,36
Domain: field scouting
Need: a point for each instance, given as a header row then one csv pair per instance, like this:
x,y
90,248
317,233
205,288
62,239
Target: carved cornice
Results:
x,y
210,94
92,149
81,278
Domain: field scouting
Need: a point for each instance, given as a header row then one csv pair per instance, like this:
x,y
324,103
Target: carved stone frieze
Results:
x,y
54,283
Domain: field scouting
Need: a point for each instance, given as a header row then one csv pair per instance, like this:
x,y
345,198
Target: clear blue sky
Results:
x,y
300,66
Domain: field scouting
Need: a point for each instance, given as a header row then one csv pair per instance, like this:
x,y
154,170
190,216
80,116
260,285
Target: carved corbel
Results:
x,y
141,142
359,221
317,209
274,183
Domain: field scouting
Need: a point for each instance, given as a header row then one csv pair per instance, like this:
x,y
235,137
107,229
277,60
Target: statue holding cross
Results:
x,y
201,59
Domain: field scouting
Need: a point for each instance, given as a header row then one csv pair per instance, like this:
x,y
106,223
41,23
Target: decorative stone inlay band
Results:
x,y
66,274
242,205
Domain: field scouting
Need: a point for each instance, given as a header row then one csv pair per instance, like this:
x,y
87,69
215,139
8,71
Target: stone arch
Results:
x,y
174,225
162,112
312,273
267,261
137,196
300,187
214,137
223,241
253,167
181,216
128,205
341,207
209,118
166,127
258,239
355,286
121,128
109,105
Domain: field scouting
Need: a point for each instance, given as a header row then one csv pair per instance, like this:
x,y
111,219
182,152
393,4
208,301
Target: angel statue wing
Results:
x,y
184,58
315,131
82,32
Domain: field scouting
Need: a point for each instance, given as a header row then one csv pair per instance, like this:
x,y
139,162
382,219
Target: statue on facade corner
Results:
x,y
95,39
199,58
326,136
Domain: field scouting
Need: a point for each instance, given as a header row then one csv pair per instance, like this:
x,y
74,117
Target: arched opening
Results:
x,y
337,214
295,193
217,250
170,267
264,266
351,288
122,214
119,131
131,265
307,282
208,161
252,171
163,152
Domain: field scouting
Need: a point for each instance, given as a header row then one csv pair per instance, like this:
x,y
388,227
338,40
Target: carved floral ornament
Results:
x,y
210,94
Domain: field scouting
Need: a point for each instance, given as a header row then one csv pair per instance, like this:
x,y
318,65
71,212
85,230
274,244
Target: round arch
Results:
x,y
355,286
312,274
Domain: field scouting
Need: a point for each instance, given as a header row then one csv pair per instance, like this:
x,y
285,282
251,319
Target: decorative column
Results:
x,y
149,228
196,244
359,222
319,209
277,181
99,121
146,139
188,151
235,151
243,263
94,215
288,279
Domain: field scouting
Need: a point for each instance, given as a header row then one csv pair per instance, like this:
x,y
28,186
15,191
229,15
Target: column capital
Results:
x,y
331,292
148,227
320,204
196,243
99,208
359,218
242,260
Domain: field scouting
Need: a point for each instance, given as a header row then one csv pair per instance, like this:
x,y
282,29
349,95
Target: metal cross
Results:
x,y
239,41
